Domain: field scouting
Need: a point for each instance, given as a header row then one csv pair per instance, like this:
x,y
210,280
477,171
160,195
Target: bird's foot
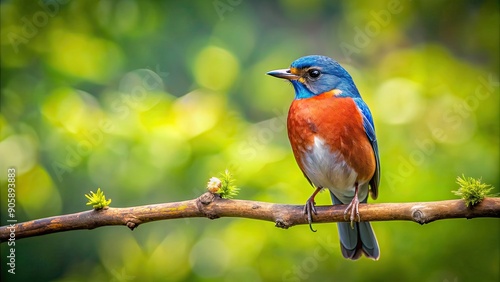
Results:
x,y
353,209
309,209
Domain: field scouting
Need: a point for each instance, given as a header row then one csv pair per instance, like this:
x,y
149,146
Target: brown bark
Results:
x,y
284,216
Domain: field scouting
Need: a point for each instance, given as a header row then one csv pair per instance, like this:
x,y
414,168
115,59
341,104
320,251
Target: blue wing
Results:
x,y
370,132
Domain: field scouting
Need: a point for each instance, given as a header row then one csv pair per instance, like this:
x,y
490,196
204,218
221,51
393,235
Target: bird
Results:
x,y
332,135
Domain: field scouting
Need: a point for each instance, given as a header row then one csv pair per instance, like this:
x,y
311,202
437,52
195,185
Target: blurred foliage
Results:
x,y
151,98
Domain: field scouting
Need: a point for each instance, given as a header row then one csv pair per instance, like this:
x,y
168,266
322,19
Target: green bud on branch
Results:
x,y
98,200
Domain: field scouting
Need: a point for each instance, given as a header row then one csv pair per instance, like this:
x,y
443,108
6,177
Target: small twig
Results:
x,y
212,206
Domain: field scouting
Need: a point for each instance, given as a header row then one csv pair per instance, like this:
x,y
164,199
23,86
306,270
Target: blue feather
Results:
x,y
333,76
370,132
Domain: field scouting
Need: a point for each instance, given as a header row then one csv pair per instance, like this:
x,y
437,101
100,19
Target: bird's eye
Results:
x,y
314,73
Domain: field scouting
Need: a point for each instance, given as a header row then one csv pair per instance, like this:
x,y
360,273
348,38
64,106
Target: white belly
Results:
x,y
328,169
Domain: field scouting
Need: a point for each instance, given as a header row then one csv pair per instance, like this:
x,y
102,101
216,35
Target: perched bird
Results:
x,y
333,140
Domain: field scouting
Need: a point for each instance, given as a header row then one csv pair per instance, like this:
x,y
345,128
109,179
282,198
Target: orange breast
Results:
x,y
339,123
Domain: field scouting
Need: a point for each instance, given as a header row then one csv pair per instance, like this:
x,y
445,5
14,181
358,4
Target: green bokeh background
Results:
x,y
149,99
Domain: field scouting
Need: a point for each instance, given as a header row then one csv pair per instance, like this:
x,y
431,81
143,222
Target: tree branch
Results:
x,y
212,206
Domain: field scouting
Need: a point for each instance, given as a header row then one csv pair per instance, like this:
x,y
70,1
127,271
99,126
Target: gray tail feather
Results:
x,y
358,239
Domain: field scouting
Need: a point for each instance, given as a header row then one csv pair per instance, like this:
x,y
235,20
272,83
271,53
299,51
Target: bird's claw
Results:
x,y
353,210
309,209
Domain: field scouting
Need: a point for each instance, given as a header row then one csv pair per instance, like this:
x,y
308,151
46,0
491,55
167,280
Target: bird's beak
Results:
x,y
283,73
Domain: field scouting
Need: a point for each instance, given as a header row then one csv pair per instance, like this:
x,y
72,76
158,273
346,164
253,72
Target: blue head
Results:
x,y
314,75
